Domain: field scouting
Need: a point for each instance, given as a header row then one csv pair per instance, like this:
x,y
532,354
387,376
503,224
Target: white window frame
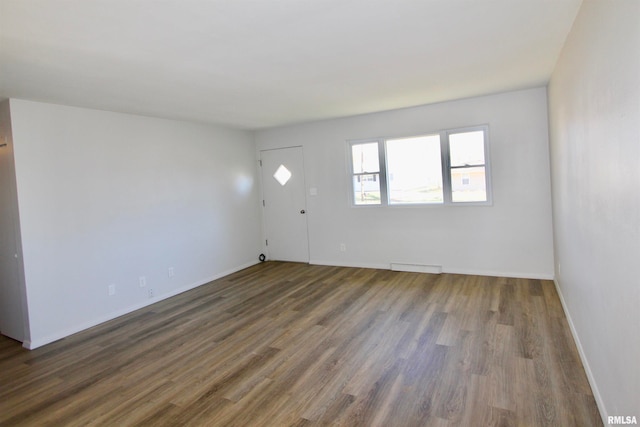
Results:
x,y
382,167
446,169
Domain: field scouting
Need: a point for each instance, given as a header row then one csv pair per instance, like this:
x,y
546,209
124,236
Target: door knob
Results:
x,y
303,211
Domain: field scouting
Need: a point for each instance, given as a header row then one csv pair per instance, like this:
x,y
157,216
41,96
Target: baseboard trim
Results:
x,y
39,342
494,273
388,266
583,357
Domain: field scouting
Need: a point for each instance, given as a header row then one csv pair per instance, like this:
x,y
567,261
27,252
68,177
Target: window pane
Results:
x,y
366,189
414,170
365,157
466,148
282,175
468,185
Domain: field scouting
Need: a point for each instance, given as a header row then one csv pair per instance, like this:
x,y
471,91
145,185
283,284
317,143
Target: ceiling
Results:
x,y
254,64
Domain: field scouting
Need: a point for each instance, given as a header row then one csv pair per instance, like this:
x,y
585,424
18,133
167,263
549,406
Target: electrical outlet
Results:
x,y
171,272
343,247
112,289
150,293
143,281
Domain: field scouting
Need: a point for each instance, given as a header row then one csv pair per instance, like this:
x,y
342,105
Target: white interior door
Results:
x,y
11,315
284,204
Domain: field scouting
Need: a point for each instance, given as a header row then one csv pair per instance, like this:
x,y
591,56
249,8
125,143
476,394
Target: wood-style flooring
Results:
x,y
285,344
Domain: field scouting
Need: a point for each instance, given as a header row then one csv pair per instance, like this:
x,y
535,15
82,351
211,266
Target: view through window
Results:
x,y
366,173
414,170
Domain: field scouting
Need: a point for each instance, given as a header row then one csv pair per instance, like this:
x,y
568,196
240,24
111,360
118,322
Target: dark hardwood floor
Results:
x,y
283,344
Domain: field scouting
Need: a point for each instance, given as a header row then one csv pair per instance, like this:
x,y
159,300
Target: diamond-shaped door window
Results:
x,y
282,175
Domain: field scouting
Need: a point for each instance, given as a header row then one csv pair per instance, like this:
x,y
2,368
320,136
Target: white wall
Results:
x,y
13,321
594,105
512,237
105,198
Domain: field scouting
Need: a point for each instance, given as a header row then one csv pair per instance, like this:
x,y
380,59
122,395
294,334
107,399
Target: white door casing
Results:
x,y
284,204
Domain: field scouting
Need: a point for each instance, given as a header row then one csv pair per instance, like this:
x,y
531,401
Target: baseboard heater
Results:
x,y
417,268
